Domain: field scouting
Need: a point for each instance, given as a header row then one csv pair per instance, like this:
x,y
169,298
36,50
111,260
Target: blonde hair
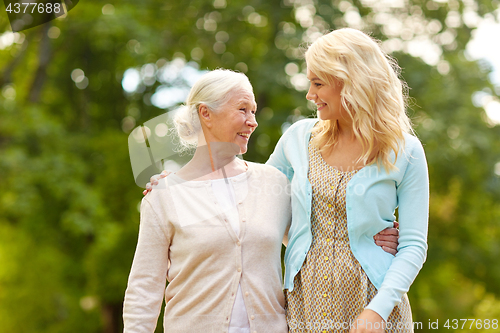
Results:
x,y
214,89
372,93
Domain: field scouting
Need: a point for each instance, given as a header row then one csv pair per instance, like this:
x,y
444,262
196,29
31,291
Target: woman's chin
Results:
x,y
321,115
243,149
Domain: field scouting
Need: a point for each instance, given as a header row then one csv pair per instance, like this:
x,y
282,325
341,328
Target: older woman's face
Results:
x,y
235,121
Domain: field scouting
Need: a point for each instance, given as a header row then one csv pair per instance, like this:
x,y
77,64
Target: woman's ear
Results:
x,y
205,115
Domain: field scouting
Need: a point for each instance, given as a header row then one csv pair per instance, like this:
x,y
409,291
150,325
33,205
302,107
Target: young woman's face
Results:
x,y
327,98
235,121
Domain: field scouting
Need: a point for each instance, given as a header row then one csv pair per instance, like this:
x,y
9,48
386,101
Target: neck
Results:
x,y
345,132
213,161
215,155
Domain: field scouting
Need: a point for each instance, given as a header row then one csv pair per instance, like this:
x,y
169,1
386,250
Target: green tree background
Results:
x,y
68,201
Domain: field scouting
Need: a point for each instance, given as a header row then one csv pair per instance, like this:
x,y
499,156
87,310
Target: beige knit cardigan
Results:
x,y
185,239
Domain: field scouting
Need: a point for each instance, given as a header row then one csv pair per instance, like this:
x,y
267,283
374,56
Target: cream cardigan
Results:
x,y
185,238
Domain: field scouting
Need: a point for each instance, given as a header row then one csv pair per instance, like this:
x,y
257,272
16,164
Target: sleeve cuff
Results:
x,y
382,305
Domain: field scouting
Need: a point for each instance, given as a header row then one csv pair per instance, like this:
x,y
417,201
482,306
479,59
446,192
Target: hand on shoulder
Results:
x,y
154,181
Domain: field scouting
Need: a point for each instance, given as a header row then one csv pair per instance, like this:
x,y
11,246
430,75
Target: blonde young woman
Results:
x,y
349,171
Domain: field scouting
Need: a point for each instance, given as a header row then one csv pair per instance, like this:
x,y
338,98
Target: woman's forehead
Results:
x,y
243,97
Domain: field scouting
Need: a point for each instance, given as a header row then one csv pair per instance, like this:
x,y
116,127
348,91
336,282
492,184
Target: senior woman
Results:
x,y
214,229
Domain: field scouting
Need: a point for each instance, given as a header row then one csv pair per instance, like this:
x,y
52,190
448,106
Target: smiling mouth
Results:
x,y
245,135
320,105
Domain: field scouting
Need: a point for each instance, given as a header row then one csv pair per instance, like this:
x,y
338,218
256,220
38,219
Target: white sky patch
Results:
x,y
425,49
490,104
176,78
492,109
131,80
485,44
165,97
8,38
384,4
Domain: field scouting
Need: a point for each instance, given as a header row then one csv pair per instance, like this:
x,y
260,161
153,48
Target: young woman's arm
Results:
x,y
413,202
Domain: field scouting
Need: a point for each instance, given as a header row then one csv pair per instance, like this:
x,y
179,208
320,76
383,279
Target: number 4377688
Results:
x,y
471,323
35,8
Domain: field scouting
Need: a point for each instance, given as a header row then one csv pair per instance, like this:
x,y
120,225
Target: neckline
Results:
x,y
237,178
316,151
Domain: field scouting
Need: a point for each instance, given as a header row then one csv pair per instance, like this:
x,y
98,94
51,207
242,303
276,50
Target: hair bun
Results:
x,y
187,124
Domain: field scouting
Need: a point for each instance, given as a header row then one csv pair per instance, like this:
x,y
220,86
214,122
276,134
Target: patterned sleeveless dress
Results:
x,y
332,289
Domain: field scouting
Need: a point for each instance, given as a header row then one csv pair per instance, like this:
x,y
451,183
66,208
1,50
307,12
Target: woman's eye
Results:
x,y
317,84
254,111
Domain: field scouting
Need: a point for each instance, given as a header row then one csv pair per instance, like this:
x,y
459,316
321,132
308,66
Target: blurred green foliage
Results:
x,y
68,202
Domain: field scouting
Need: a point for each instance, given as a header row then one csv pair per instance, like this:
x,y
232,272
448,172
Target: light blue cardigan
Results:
x,y
372,197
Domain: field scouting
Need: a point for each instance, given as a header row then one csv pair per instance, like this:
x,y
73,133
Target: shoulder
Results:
x,y
413,163
413,148
302,126
298,132
411,141
157,196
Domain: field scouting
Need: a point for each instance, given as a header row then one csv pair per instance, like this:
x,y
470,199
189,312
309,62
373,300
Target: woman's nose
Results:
x,y
252,122
310,95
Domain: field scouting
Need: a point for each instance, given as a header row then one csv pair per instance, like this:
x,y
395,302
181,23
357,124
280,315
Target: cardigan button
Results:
x,y
246,293
252,317
239,269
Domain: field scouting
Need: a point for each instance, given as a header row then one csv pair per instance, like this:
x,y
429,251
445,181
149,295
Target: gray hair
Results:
x,y
214,89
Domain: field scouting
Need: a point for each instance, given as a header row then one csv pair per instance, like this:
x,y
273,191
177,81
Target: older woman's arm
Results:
x,y
147,279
